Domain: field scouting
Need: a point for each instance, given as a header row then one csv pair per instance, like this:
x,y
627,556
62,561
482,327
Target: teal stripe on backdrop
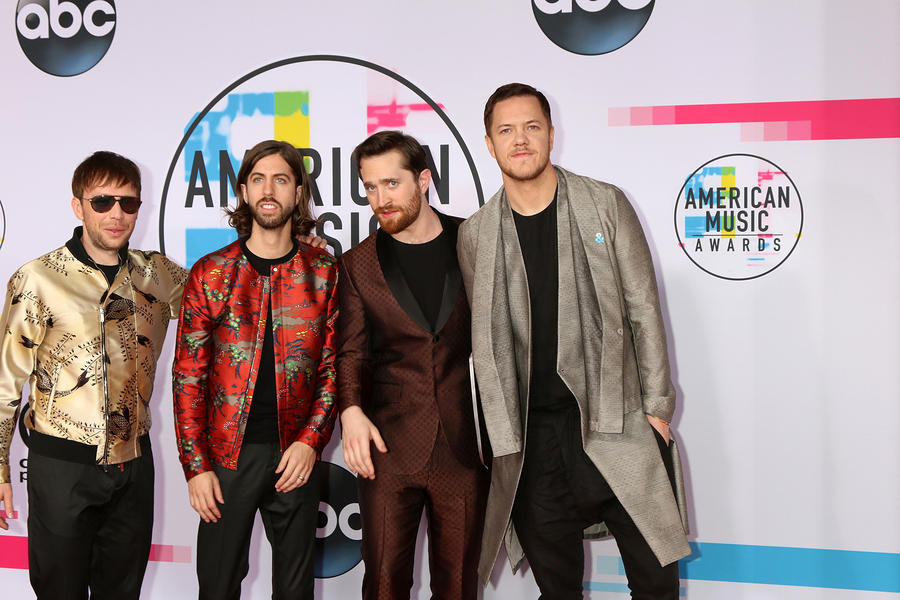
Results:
x,y
774,565
807,567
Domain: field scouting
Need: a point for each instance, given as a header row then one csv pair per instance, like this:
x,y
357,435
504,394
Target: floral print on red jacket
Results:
x,y
219,344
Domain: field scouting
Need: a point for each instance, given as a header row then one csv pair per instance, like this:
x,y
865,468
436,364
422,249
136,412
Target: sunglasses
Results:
x,y
102,204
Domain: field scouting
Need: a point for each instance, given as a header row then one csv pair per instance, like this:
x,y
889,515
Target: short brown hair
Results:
x,y
513,90
411,151
242,219
105,168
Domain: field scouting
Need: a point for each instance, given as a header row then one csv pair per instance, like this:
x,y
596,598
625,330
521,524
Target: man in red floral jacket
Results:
x,y
254,382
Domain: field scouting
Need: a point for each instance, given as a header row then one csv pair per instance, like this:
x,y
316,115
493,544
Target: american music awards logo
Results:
x,y
738,216
591,26
324,105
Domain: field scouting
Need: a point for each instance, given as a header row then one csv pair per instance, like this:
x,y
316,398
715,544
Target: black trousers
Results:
x,y
290,520
89,527
560,494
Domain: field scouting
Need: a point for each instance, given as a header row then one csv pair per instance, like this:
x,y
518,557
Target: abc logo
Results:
x,y
338,538
67,37
591,26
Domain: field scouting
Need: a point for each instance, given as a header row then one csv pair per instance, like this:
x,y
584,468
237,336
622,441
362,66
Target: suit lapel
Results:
x,y
453,281
395,281
400,289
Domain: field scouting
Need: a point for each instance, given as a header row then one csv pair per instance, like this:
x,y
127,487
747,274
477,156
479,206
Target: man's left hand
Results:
x,y
660,426
295,467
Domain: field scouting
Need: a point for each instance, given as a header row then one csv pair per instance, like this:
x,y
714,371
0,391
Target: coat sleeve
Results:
x,y
465,252
354,345
320,422
643,311
173,279
22,328
194,351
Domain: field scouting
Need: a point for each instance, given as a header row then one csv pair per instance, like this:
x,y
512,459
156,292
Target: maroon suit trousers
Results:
x,y
453,497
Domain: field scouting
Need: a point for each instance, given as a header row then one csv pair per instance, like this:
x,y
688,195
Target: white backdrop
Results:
x,y
788,382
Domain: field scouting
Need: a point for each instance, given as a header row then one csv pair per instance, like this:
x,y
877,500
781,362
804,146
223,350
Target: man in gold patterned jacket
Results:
x,y
84,325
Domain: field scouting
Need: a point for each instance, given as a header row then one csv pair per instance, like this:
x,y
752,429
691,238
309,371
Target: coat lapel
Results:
x,y
453,281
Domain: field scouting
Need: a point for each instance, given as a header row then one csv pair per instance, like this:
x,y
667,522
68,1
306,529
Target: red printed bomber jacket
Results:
x,y
219,344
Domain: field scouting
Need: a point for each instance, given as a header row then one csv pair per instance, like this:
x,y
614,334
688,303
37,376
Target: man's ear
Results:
x,y
78,208
424,180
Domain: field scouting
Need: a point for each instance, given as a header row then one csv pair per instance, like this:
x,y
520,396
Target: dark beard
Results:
x,y
409,212
275,221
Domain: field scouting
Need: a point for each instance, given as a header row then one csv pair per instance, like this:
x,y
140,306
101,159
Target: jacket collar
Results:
x,y
77,249
400,289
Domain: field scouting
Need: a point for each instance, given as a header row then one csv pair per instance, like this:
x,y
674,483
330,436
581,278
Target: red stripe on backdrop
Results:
x,y
821,119
14,552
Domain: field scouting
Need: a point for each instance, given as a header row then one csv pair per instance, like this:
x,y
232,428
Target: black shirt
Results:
x,y
424,267
262,424
538,240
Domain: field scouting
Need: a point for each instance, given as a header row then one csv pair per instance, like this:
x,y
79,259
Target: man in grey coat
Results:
x,y
571,362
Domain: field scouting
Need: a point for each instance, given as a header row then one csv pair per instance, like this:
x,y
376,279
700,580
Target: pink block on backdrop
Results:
x,y
753,132
172,554
181,554
642,115
619,117
799,130
776,131
664,115
13,552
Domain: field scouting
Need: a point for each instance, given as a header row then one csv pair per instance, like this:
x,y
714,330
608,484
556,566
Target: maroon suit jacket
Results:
x,y
407,377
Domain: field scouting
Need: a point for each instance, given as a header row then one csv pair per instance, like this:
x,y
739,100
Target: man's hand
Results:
x,y
296,466
661,426
357,433
313,240
6,500
205,492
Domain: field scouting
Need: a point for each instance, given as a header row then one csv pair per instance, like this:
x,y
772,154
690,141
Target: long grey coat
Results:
x,y
612,356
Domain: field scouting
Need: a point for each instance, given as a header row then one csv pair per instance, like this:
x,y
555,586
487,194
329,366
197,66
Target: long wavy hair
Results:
x,y
302,220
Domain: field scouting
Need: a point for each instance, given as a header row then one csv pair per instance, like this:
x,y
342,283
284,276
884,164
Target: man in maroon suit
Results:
x,y
403,382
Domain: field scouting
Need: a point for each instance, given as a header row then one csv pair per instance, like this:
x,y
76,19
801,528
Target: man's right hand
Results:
x,y
205,492
357,433
6,500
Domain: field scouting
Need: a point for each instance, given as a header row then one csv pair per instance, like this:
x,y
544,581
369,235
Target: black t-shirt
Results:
x,y
110,272
424,267
538,240
262,425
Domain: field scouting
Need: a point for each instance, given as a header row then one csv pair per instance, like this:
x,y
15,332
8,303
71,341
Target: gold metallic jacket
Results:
x,y
59,322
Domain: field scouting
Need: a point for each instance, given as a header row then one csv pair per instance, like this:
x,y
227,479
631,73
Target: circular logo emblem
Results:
x,y
23,430
739,216
2,225
65,38
592,26
340,527
325,106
